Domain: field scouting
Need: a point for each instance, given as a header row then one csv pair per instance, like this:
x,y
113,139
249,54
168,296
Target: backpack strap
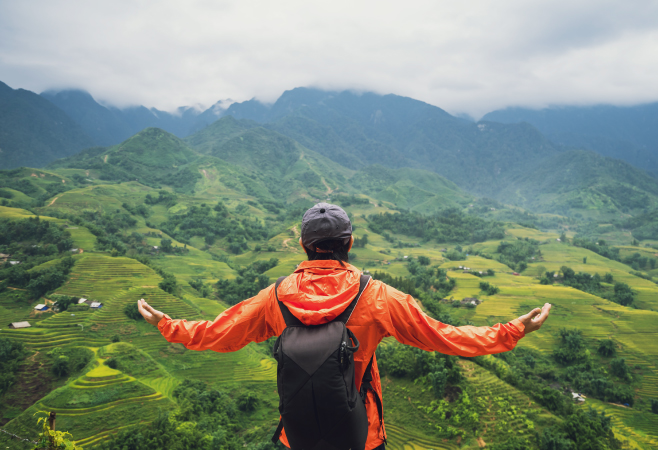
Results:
x,y
292,321
345,315
366,385
288,317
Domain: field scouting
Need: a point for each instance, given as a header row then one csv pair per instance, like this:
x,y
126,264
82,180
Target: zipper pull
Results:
x,y
343,345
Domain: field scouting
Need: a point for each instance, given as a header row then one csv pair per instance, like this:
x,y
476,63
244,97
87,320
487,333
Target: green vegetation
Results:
x,y
11,355
224,223
450,225
249,282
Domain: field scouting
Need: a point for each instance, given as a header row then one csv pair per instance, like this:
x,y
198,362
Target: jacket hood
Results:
x,y
318,291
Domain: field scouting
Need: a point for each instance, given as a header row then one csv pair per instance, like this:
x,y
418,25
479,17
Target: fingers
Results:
x,y
545,311
531,314
141,306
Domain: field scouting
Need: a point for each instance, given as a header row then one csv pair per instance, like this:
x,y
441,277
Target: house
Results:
x,y
13,263
41,307
75,250
82,300
514,273
17,325
470,301
98,305
577,397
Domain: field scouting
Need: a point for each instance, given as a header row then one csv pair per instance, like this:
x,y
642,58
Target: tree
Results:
x,y
607,348
165,245
584,259
654,406
169,283
623,294
619,368
131,310
423,260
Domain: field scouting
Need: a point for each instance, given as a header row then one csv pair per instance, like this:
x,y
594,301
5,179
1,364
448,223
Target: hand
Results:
x,y
149,314
535,318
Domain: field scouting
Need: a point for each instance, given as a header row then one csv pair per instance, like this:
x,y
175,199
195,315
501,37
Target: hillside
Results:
x,y
583,182
626,133
34,132
357,130
153,156
196,225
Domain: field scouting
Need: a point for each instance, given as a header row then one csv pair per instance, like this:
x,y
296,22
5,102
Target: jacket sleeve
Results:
x,y
405,321
253,320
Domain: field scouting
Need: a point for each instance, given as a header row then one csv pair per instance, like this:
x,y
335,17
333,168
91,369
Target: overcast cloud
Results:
x,y
471,57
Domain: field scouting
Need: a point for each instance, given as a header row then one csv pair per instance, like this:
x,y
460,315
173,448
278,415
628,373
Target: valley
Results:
x,y
195,225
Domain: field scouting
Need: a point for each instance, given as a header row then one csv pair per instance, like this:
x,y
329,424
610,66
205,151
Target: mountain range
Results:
x,y
339,137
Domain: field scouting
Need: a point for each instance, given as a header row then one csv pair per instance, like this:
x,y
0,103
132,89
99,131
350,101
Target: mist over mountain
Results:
x,y
627,133
111,125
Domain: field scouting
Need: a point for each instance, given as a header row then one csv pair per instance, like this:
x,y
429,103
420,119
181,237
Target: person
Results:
x,y
319,290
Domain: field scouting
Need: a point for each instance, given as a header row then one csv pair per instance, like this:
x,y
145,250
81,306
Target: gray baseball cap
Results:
x,y
325,221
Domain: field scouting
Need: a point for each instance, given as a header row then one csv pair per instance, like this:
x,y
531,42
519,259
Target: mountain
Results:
x,y
152,156
627,133
585,182
110,125
34,132
356,130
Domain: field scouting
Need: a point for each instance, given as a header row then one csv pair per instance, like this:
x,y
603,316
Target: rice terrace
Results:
x,y
198,223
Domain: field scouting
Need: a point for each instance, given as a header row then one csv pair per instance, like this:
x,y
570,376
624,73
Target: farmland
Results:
x,y
134,373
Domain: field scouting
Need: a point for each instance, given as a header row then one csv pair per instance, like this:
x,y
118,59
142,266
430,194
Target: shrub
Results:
x,y
607,348
132,311
488,289
247,401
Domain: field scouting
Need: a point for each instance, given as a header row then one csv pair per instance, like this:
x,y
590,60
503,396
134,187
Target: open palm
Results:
x,y
150,314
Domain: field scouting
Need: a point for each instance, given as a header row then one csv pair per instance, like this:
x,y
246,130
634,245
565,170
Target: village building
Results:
x,y
96,305
17,325
470,301
13,263
41,307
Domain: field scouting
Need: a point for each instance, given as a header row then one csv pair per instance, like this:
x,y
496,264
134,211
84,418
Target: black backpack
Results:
x,y
318,401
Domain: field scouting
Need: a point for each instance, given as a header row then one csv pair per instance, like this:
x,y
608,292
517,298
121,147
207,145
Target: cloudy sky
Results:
x,y
466,57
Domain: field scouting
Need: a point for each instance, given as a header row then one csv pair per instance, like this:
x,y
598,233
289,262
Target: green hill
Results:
x,y
153,156
584,182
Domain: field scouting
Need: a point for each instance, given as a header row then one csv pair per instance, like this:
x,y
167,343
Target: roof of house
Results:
x,y
96,304
19,324
81,300
40,306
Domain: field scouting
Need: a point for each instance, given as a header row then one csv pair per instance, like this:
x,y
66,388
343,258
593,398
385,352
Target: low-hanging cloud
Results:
x,y
468,57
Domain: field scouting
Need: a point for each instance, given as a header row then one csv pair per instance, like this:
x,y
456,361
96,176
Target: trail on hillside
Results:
x,y
49,204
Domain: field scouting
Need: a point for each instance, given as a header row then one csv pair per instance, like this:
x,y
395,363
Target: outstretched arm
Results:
x,y
411,326
248,321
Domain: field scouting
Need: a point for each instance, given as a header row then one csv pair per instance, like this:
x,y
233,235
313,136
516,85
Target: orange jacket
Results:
x,y
317,292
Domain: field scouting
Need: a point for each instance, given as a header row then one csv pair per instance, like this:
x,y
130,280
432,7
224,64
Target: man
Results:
x,y
319,290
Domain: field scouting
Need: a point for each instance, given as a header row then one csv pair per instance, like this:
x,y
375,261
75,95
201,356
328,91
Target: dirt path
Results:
x,y
55,199
105,159
481,442
329,190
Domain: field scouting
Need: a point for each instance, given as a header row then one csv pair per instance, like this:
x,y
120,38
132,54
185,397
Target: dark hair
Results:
x,y
335,249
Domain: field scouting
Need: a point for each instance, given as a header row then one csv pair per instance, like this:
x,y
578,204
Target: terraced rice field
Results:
x,y
639,431
400,439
